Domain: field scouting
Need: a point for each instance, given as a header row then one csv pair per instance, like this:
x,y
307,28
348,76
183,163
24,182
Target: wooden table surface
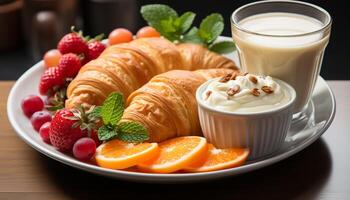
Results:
x,y
321,171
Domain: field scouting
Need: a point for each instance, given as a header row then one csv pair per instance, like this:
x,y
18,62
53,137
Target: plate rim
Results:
x,y
150,177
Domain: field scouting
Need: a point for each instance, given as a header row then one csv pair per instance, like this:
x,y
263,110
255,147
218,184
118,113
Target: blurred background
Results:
x,y
30,27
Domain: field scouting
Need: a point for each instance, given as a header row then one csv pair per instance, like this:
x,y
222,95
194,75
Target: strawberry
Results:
x,y
70,64
52,77
72,43
84,60
94,136
58,98
95,48
62,132
69,125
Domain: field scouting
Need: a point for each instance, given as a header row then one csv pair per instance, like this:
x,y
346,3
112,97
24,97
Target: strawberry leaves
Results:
x,y
111,113
96,112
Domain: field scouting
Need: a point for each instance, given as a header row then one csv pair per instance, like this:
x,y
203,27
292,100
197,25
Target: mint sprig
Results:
x,y
132,131
184,22
179,28
223,47
107,132
111,113
211,27
161,17
112,109
192,36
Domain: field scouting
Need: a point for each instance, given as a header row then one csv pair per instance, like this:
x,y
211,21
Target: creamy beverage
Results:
x,y
284,45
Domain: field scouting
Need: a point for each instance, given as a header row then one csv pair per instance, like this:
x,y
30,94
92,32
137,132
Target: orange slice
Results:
x,y
218,159
176,154
117,154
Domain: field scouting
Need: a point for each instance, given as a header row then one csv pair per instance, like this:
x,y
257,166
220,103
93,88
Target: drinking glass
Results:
x,y
294,58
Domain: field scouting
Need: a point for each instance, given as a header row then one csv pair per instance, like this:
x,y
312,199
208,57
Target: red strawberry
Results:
x,y
94,136
57,100
95,48
70,65
63,132
84,60
72,43
69,125
52,77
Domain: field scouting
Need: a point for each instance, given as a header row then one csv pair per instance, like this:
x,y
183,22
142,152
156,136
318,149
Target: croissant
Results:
x,y
126,67
167,106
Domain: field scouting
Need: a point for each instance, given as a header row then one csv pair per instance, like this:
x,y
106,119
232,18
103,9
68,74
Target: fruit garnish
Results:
x,y
94,136
57,78
32,104
73,43
57,100
39,118
52,77
116,154
120,35
179,28
69,125
219,159
44,132
147,31
70,65
95,48
176,154
84,148
52,57
111,113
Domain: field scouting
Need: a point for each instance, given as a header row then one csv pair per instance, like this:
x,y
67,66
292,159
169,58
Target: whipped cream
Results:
x,y
245,94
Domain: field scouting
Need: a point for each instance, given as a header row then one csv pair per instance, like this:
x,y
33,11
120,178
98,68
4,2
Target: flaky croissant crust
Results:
x,y
167,106
126,67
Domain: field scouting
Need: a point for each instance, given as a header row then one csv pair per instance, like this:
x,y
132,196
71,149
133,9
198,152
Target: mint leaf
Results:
x,y
223,47
192,36
154,14
178,28
132,132
168,26
184,22
169,30
112,109
128,127
106,133
211,27
134,138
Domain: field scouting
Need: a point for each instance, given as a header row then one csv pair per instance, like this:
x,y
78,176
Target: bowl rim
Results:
x,y
289,104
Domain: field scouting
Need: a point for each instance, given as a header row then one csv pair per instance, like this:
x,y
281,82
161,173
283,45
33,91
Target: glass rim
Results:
x,y
325,25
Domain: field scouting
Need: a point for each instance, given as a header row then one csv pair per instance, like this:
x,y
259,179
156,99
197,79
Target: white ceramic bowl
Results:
x,y
262,132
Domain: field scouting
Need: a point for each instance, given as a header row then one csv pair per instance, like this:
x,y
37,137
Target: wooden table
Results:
x,y
322,171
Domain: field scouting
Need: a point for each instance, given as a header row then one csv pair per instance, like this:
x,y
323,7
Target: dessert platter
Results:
x,y
166,105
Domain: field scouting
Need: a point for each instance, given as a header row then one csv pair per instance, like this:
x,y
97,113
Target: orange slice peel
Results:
x,y
116,154
218,159
175,154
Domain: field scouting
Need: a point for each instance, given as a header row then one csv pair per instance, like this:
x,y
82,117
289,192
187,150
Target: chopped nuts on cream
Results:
x,y
245,93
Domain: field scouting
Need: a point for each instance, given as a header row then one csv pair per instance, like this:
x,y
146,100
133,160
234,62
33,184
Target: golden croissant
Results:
x,y
166,106
126,67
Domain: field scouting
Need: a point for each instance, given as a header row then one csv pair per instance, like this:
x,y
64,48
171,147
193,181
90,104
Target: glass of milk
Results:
x,y
283,39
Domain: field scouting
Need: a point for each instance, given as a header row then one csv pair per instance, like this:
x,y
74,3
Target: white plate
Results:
x,y
321,114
